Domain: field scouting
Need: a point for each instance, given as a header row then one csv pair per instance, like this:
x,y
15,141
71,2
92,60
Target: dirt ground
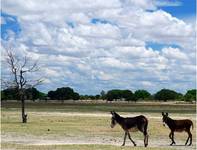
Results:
x,y
101,140
30,140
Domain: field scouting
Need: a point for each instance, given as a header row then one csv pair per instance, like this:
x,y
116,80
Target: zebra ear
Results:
x,y
112,112
162,113
166,114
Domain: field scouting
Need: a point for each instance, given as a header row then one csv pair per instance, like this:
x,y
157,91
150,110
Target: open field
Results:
x,y
86,126
97,106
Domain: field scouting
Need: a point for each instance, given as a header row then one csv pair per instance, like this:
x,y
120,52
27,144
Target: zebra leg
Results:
x,y
125,136
131,139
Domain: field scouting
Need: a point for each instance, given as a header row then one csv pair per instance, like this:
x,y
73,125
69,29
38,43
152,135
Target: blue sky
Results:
x,y
187,8
11,23
105,44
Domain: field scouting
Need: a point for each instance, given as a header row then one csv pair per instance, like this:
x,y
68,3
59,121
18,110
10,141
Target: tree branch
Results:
x,y
33,68
18,69
11,61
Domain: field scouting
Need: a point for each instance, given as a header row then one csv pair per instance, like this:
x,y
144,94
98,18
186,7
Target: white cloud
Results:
x,y
140,52
174,53
98,31
143,4
51,72
147,83
168,3
112,54
115,63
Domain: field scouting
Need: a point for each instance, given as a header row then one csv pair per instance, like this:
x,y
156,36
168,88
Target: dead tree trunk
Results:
x,y
24,116
20,81
22,99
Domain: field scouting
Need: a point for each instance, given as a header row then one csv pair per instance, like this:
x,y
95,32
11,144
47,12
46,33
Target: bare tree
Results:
x,y
19,69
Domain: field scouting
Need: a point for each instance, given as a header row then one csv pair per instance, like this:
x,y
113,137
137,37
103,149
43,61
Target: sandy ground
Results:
x,y
30,140
175,116
34,140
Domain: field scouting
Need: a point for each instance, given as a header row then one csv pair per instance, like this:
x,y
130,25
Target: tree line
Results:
x,y
67,93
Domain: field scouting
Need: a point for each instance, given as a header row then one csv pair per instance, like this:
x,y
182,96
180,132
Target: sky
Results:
x,y
98,45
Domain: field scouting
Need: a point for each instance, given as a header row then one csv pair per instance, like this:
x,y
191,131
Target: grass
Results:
x,y
45,123
103,107
39,123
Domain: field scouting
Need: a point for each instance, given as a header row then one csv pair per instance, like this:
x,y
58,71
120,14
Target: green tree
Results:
x,y
127,95
119,94
103,95
9,94
166,94
3,95
64,93
75,96
141,94
30,94
33,94
113,95
190,95
52,95
97,96
83,97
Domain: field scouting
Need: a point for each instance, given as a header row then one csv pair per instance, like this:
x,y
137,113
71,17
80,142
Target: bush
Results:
x,y
142,94
119,94
9,94
166,94
190,95
30,94
64,93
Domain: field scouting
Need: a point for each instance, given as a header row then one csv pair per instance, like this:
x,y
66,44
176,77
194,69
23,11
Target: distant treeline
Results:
x,y
67,93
